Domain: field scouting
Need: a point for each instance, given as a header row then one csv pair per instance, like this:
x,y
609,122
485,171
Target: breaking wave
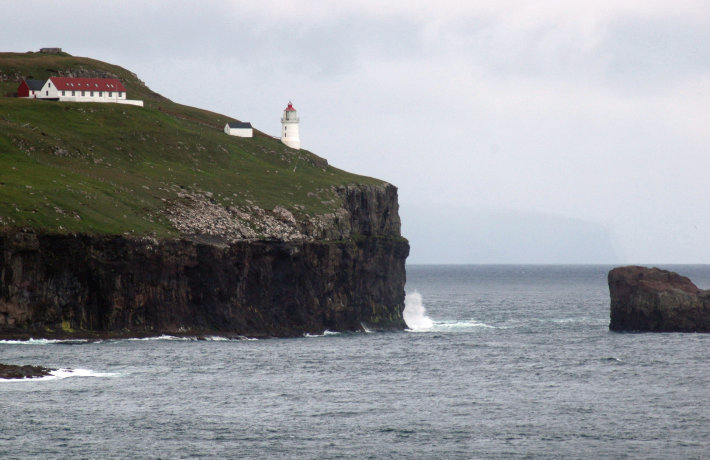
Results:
x,y
415,316
43,341
163,337
64,373
415,313
324,334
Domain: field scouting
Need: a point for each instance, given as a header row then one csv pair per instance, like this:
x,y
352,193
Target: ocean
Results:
x,y
500,362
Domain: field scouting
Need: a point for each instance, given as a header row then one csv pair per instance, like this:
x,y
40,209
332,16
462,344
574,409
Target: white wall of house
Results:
x,y
239,132
91,96
47,91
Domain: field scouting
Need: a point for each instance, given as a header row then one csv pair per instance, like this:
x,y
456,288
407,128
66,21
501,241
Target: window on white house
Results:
x,y
46,93
83,93
110,94
63,93
120,94
73,93
91,94
101,94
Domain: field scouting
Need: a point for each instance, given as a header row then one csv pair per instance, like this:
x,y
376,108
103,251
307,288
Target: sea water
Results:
x,y
500,362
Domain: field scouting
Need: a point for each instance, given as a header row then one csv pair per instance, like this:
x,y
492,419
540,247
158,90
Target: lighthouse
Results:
x,y
289,128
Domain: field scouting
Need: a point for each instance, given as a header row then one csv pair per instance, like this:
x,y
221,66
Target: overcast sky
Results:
x,y
516,131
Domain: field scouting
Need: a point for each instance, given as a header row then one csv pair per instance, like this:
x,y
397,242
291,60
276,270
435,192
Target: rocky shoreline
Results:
x,y
12,371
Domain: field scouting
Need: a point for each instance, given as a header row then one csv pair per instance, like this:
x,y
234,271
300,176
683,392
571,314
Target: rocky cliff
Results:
x,y
122,220
82,285
655,300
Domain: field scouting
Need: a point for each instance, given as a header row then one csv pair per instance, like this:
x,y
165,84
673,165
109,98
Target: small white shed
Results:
x,y
239,128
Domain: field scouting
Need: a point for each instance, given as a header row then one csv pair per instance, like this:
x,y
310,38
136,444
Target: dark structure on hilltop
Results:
x,y
655,300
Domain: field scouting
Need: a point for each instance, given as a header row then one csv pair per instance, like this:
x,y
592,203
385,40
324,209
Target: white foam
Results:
x,y
60,374
466,324
65,373
569,320
164,337
324,334
415,313
41,341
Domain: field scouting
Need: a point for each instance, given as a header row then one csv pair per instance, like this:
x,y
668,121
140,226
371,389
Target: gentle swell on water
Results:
x,y
517,361
415,313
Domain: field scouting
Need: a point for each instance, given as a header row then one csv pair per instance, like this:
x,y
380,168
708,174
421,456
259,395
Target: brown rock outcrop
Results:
x,y
12,371
655,300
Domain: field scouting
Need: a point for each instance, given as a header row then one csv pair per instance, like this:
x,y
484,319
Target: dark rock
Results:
x,y
74,285
374,209
655,300
350,276
11,371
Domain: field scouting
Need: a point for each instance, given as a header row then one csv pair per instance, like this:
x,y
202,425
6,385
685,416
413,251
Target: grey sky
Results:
x,y
573,119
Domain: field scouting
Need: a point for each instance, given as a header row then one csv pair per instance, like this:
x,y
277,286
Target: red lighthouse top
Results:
x,y
290,107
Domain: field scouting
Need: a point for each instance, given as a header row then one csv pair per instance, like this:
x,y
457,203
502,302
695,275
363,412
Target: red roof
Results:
x,y
88,84
290,107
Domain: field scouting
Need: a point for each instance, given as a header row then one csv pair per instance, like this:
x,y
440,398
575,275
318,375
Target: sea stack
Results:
x,y
654,300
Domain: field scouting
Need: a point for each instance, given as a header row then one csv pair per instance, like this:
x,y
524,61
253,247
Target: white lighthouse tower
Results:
x,y
289,128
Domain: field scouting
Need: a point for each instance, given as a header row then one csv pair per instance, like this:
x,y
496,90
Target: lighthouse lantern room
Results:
x,y
289,127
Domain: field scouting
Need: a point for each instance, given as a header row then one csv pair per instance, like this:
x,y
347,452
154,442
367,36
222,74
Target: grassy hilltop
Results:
x,y
104,168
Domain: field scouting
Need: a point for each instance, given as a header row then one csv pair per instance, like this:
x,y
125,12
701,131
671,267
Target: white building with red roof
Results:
x,y
289,128
68,89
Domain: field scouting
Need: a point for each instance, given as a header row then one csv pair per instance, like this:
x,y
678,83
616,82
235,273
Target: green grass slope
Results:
x,y
103,168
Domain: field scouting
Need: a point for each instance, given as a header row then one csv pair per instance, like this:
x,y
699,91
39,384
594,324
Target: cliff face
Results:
x,y
655,300
365,210
79,284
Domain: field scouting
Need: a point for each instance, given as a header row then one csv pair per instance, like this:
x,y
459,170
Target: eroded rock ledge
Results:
x,y
655,300
365,210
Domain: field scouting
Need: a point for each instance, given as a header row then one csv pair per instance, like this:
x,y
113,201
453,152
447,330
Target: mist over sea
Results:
x,y
500,362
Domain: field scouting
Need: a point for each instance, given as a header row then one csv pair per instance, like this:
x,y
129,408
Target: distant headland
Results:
x,y
131,220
